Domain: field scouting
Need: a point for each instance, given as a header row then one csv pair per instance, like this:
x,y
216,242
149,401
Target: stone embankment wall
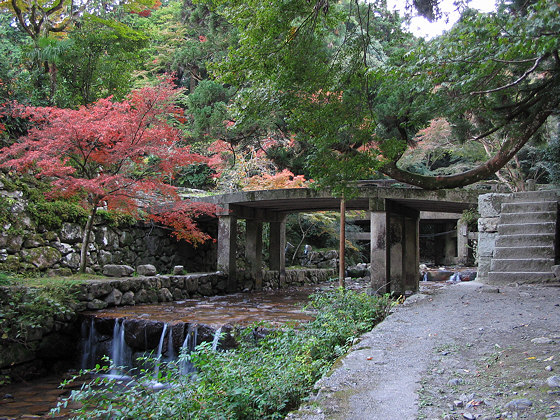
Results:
x,y
100,294
26,246
320,259
46,343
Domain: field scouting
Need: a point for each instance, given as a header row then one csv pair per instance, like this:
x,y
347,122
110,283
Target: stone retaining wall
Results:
x,y
26,246
100,294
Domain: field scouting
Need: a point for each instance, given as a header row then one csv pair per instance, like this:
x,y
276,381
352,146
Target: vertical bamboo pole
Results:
x,y
342,246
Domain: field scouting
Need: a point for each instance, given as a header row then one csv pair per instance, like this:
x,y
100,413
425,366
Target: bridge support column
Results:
x,y
411,254
462,242
227,248
404,256
378,249
394,253
396,245
253,251
450,244
277,248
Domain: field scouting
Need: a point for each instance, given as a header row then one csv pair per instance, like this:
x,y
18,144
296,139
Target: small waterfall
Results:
x,y
89,344
185,366
216,340
159,350
425,277
455,278
120,353
170,352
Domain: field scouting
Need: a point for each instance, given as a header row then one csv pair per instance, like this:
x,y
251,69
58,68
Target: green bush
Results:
x,y
115,219
261,379
5,279
52,214
24,309
197,175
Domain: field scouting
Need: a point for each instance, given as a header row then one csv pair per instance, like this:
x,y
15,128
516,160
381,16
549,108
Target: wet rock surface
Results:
x,y
462,351
34,398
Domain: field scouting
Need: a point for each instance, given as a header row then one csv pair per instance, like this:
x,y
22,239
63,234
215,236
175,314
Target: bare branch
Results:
x,y
519,80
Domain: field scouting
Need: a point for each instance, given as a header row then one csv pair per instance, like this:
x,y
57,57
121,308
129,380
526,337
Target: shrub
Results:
x,y
51,214
25,309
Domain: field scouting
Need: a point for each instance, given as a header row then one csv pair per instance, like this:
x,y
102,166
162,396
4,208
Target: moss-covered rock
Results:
x,y
11,264
14,353
42,257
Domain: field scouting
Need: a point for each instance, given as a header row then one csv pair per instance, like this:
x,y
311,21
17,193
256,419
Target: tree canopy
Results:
x,y
331,90
348,81
118,155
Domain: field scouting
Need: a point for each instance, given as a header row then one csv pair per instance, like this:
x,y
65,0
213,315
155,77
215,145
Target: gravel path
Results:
x,y
463,351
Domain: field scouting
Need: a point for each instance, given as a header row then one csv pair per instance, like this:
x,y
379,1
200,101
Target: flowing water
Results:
x,y
180,325
276,307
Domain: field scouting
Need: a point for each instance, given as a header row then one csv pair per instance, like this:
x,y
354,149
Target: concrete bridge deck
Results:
x,y
394,214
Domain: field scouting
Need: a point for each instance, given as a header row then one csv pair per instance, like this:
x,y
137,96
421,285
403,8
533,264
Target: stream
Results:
x,y
163,329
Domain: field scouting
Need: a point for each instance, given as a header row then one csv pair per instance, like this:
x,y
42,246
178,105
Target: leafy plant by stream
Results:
x,y
26,311
262,379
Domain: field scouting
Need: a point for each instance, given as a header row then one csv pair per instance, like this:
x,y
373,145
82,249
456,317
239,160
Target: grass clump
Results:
x,y
263,378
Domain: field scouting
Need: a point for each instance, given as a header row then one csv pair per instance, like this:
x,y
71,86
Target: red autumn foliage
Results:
x,y
284,179
114,154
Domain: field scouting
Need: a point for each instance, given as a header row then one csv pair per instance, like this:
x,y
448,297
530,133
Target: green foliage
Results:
x,y
52,214
322,231
197,175
207,109
262,379
551,158
107,52
5,279
349,82
115,218
470,217
27,309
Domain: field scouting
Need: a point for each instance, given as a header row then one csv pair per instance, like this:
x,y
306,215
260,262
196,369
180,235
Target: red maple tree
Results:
x,y
118,155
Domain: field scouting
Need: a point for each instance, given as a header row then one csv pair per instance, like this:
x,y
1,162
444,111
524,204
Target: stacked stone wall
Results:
x,y
27,247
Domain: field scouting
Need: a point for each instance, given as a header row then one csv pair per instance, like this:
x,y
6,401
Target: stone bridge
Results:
x,y
394,215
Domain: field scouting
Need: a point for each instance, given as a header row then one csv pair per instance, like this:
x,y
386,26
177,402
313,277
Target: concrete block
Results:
x,y
488,224
489,205
486,244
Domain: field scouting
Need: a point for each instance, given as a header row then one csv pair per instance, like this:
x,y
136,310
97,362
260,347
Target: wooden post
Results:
x,y
342,246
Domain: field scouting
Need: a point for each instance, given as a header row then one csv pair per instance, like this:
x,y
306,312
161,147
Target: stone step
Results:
x,y
520,277
524,252
530,206
526,228
532,196
521,264
520,240
529,217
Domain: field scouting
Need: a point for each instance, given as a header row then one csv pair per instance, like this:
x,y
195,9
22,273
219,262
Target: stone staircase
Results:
x,y
527,242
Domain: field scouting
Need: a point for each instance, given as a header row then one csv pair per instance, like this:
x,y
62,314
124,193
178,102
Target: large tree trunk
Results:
x,y
85,239
508,150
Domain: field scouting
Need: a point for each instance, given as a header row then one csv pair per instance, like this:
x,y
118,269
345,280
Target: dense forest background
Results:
x,y
273,95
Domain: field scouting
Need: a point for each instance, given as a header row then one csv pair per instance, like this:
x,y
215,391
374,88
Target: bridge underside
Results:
x,y
394,215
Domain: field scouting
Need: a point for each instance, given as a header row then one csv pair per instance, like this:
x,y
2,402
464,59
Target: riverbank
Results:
x,y
464,351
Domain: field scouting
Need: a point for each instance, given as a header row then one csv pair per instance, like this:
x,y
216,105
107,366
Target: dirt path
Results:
x,y
464,351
